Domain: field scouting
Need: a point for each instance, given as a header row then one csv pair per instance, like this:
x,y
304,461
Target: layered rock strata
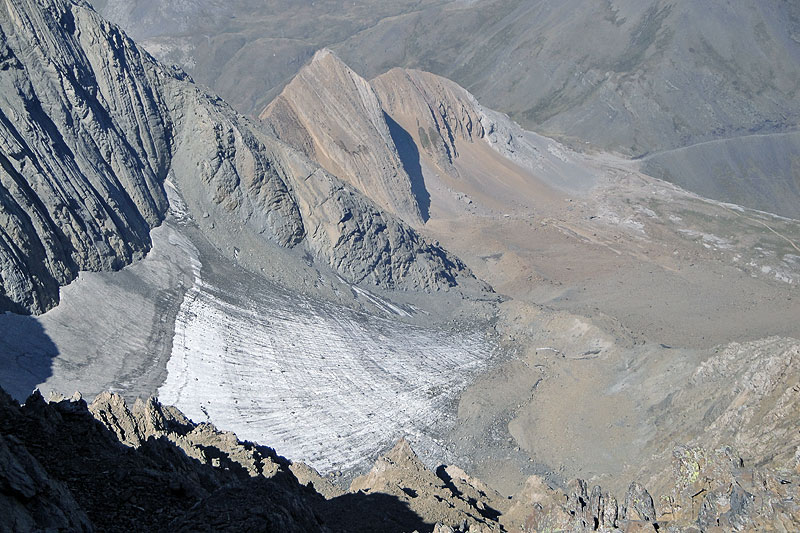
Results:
x,y
91,127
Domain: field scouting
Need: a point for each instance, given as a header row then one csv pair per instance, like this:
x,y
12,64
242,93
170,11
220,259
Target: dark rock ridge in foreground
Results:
x,y
90,129
69,466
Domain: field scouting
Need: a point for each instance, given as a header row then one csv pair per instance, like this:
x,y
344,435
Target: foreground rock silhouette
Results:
x,y
69,466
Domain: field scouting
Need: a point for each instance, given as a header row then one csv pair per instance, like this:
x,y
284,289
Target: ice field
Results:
x,y
322,384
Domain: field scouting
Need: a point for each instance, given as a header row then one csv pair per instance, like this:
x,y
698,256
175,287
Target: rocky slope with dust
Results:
x,y
599,263
93,127
640,332
72,466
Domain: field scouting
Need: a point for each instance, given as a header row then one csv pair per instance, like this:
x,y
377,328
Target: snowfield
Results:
x,y
322,384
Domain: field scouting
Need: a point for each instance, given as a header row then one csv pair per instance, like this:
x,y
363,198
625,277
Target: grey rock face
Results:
x,y
84,144
639,504
91,127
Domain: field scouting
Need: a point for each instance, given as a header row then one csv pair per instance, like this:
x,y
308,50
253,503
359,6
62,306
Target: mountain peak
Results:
x,y
336,118
325,54
326,60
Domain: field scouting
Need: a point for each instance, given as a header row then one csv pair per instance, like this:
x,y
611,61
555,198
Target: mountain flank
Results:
x,y
636,78
333,115
92,128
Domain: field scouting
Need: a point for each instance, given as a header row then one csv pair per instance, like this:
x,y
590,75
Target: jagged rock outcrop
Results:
x,y
448,496
91,127
157,485
716,489
65,464
744,396
84,145
331,114
203,442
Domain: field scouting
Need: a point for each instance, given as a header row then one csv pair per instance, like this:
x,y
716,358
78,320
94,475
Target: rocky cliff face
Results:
x,y
91,127
65,465
85,146
333,115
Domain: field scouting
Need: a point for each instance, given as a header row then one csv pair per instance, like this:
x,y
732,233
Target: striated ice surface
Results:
x,y
322,384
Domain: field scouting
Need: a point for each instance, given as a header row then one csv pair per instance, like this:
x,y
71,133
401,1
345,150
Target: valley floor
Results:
x,y
617,293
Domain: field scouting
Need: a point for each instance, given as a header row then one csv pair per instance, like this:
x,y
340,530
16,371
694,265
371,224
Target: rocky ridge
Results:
x,y
711,90
333,115
85,145
93,127
68,465
421,118
438,116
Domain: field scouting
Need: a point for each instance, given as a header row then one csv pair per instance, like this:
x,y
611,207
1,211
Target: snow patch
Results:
x,y
709,240
322,384
382,304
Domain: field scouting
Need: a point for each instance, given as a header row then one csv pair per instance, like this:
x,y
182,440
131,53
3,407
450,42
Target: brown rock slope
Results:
x,y
435,111
332,115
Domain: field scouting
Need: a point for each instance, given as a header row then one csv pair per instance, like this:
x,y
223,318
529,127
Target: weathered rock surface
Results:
x,y
744,396
84,145
69,466
92,127
331,114
444,496
443,119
